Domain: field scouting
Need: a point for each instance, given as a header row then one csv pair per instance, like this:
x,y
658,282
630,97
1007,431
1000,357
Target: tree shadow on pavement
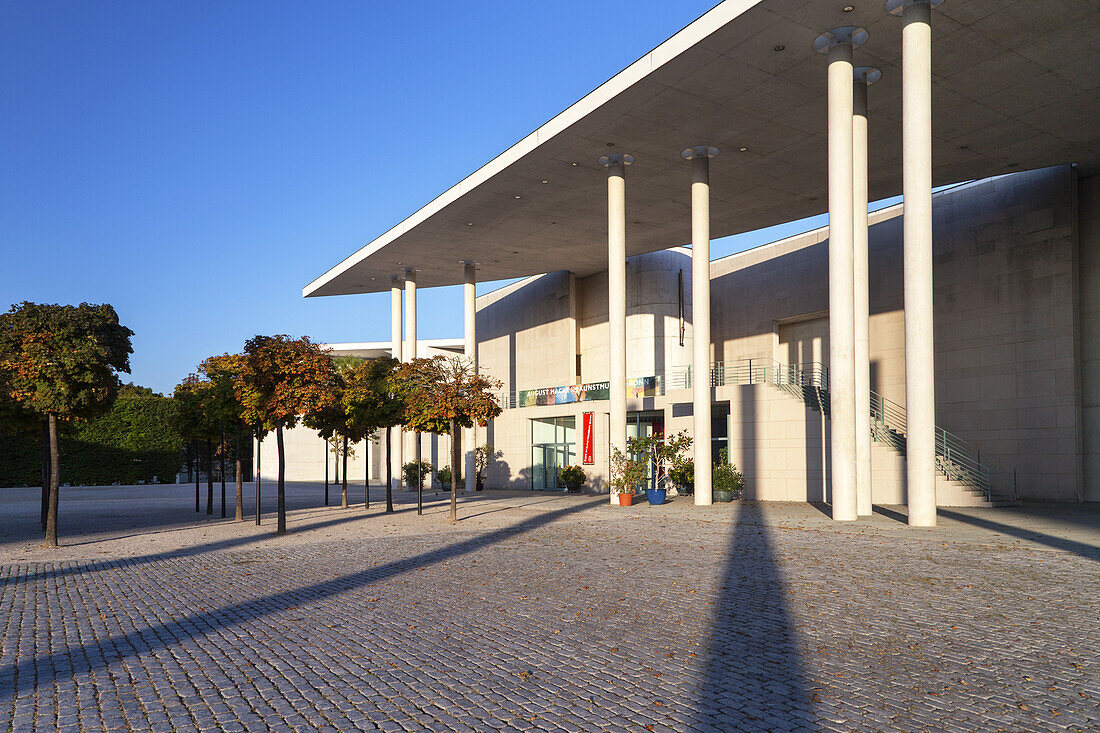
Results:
x,y
21,677
79,567
753,677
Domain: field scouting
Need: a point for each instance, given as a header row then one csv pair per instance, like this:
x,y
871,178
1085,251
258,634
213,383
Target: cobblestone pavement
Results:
x,y
581,617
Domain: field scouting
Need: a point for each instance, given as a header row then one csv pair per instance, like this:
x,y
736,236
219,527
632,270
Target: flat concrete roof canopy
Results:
x,y
1016,85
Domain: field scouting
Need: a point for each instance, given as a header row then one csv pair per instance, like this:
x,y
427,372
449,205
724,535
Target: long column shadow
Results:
x,y
1059,543
20,678
753,676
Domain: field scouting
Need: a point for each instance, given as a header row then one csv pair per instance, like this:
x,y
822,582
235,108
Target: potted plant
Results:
x,y
682,475
728,483
662,453
413,474
444,476
573,477
626,475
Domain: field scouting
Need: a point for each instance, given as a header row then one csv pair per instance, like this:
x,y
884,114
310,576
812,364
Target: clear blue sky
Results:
x,y
196,163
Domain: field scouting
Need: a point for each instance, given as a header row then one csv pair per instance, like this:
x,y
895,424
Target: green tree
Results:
x,y
443,395
195,399
282,380
62,363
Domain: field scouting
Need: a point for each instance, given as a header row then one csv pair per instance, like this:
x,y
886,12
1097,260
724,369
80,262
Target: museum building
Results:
x,y
939,352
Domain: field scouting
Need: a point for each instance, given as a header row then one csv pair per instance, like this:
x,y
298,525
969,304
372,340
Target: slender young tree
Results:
x,y
282,379
443,395
195,399
372,402
62,363
223,373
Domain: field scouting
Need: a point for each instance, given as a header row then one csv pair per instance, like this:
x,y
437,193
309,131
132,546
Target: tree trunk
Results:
x,y
239,515
344,471
221,466
259,439
326,471
55,483
45,473
454,471
389,472
209,477
282,480
195,451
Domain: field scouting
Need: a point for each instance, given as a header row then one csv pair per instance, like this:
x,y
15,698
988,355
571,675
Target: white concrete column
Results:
x,y
838,44
411,352
700,156
916,132
396,452
616,164
864,76
469,300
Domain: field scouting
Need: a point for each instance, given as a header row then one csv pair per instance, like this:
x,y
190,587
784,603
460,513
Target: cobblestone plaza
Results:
x,y
546,612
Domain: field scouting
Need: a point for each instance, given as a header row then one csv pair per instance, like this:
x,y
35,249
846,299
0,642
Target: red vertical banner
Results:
x,y
586,454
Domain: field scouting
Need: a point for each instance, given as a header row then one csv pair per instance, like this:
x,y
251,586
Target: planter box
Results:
x,y
723,496
626,499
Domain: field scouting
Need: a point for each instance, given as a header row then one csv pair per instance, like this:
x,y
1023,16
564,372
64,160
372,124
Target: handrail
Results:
x,y
956,458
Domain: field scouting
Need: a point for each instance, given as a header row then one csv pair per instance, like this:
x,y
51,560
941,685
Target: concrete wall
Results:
x,y
1008,379
1088,235
1005,302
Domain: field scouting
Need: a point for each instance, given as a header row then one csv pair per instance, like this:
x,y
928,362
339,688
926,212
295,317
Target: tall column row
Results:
x,y
849,369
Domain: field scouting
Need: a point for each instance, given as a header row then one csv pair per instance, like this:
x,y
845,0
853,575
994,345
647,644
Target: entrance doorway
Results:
x,y
645,425
553,446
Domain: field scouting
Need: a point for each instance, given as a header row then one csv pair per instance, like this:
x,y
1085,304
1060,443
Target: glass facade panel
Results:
x,y
553,445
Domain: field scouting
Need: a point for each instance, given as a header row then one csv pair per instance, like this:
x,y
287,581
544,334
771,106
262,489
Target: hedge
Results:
x,y
135,441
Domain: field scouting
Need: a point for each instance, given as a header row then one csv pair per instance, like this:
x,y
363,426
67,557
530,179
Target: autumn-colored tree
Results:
x,y
370,404
282,380
61,362
443,395
224,372
331,424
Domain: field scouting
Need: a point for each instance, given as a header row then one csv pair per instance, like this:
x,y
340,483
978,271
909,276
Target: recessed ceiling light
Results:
x,y
780,47
849,8
743,149
469,223
544,182
574,164
964,147
517,196
610,145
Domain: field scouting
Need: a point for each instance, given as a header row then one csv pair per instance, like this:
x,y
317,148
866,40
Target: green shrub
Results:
x,y
444,475
412,474
572,476
726,477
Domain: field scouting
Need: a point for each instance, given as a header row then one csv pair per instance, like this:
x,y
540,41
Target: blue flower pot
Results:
x,y
656,496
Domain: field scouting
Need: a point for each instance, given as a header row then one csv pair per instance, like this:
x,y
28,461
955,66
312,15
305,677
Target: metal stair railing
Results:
x,y
956,459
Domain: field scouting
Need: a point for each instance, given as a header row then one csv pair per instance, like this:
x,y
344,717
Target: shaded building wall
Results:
x,y
1088,201
1005,289
1007,354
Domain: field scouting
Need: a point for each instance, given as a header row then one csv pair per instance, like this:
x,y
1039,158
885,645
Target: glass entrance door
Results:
x,y
553,446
